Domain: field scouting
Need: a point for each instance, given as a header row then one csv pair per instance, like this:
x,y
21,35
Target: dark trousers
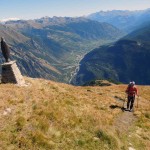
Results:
x,y
130,102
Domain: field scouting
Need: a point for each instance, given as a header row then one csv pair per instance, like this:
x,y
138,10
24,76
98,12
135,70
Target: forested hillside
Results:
x,y
125,60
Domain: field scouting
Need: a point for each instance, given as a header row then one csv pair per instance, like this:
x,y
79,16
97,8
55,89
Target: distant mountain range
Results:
x,y
123,19
123,61
52,47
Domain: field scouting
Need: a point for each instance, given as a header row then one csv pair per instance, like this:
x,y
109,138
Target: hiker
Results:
x,y
131,91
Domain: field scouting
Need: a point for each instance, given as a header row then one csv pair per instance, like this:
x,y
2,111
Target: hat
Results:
x,y
132,83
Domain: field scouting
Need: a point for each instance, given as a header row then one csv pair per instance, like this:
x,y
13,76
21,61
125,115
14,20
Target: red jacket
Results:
x,y
131,91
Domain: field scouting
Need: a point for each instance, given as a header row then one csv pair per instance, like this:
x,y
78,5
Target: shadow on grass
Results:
x,y
117,107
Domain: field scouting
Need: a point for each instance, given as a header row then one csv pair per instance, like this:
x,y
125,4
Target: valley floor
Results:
x,y
47,115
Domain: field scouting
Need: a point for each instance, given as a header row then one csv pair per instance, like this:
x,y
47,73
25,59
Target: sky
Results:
x,y
33,9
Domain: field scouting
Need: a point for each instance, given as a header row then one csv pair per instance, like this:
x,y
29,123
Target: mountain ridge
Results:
x,y
123,19
58,46
124,61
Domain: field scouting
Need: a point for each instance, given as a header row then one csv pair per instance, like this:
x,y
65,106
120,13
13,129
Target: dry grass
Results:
x,y
48,115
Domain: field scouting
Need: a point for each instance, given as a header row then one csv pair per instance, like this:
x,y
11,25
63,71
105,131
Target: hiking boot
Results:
x,y
131,110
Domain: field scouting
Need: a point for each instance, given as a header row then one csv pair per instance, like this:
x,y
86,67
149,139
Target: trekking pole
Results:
x,y
137,101
124,101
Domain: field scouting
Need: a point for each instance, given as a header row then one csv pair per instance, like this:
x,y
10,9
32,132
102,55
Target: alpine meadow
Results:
x,y
75,75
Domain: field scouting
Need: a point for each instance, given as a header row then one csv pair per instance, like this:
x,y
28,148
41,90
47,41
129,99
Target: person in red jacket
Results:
x,y
132,92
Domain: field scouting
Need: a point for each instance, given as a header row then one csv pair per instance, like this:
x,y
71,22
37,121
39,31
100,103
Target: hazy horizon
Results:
x,y
32,9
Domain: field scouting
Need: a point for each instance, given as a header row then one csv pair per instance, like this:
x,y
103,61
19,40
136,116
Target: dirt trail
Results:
x,y
124,121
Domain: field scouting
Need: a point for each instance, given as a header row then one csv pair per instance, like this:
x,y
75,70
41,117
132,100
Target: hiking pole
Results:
x,y
137,101
124,101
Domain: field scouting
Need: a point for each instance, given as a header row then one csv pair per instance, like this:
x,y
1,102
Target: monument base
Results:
x,y
11,74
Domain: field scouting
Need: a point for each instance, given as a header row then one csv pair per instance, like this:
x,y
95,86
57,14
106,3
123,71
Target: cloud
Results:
x,y
9,19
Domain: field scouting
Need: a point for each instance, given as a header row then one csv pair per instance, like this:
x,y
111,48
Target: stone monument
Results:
x,y
10,70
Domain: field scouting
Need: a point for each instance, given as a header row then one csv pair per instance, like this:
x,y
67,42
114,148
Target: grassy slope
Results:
x,y
50,115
